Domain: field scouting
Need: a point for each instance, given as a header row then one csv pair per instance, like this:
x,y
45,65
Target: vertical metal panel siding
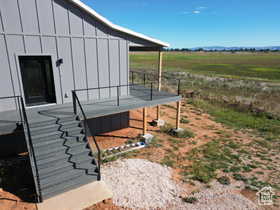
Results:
x,y
10,15
32,44
123,66
92,68
103,66
89,26
75,18
64,51
15,45
114,65
61,17
5,79
45,16
79,66
29,16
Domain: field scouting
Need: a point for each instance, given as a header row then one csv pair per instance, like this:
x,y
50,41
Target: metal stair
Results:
x,y
63,158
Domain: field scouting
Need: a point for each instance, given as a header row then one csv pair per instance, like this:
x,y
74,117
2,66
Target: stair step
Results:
x,y
75,131
44,129
42,124
71,124
56,170
62,158
46,136
56,148
63,150
68,185
61,120
57,178
58,142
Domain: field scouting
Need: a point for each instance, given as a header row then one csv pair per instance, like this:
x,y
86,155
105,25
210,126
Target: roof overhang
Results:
x,y
105,21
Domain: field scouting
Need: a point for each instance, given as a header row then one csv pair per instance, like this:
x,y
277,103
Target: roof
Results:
x,y
92,12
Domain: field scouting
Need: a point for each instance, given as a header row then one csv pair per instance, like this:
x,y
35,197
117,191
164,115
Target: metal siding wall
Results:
x,y
15,46
101,30
79,66
5,79
114,65
29,16
89,26
103,67
76,21
64,51
33,44
61,17
45,16
1,25
123,66
92,67
10,15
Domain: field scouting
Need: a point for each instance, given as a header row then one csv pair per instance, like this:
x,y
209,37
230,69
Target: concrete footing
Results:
x,y
176,130
79,198
147,138
158,123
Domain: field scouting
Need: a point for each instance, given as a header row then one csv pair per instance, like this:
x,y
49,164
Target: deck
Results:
x,y
138,98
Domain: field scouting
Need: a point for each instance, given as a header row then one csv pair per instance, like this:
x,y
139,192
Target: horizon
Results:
x,y
198,22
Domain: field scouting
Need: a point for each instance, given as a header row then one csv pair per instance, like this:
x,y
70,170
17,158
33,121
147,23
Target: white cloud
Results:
x,y
196,12
201,8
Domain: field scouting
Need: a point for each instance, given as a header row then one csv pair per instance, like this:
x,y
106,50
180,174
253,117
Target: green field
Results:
x,y
253,66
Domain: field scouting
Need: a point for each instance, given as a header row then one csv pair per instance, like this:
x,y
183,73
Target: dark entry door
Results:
x,y
37,79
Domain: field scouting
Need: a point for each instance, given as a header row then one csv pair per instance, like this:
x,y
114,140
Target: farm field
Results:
x,y
245,65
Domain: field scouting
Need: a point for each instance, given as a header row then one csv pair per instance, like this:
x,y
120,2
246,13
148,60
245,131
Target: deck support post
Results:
x,y
160,55
144,121
178,116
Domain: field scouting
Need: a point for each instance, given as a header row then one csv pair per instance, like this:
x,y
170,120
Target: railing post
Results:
x,y
74,102
118,95
132,77
144,79
151,92
179,87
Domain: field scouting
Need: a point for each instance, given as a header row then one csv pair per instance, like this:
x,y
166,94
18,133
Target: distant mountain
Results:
x,y
221,48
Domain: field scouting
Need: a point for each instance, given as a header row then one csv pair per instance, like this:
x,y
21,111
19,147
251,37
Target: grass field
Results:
x,y
254,66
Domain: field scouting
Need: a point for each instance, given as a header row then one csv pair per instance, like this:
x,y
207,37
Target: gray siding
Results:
x,y
93,54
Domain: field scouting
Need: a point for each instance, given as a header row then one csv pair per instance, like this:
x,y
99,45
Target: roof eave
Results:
x,y
116,27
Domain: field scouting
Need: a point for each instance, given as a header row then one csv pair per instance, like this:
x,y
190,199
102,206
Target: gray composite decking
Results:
x,y
139,97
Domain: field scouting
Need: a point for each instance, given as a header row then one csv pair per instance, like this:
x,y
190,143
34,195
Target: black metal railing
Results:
x,y
23,120
141,87
76,102
144,77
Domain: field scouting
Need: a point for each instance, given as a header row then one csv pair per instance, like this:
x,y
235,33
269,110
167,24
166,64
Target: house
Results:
x,y
65,76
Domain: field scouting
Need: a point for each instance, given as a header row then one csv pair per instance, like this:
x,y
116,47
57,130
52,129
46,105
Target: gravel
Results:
x,y
141,184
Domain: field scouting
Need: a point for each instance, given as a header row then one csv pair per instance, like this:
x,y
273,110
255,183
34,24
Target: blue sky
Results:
x,y
193,23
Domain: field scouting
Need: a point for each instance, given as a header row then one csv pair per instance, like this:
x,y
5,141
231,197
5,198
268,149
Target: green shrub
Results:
x,y
224,180
184,133
184,120
191,200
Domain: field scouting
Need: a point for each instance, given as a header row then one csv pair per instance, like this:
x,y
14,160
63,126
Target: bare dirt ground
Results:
x,y
205,130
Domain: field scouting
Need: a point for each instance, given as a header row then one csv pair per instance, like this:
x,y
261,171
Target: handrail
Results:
x,y
154,75
30,148
31,153
75,100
